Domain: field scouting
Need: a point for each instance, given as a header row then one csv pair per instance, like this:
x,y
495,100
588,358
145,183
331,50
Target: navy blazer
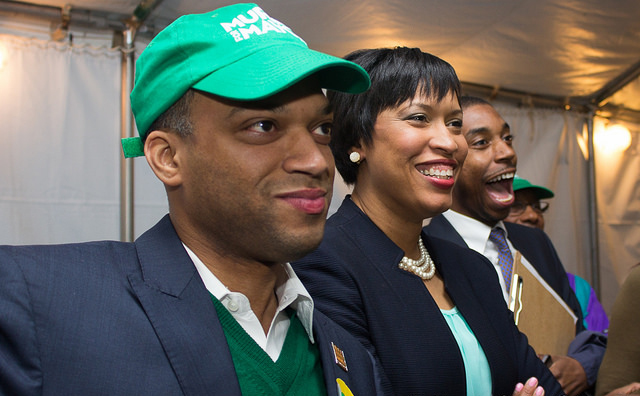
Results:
x,y
112,318
355,280
588,348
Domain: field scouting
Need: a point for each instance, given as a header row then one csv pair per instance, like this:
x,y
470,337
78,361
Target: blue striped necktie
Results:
x,y
505,259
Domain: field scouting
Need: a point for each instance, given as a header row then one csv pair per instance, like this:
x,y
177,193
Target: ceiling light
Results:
x,y
615,138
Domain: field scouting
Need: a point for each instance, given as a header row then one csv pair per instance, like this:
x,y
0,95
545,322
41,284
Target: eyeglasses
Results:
x,y
518,207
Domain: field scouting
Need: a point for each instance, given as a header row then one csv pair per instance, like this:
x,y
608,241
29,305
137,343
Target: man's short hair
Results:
x,y
467,101
177,118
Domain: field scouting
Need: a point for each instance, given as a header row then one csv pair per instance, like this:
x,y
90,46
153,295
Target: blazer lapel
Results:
x,y
361,230
180,310
440,227
330,368
333,359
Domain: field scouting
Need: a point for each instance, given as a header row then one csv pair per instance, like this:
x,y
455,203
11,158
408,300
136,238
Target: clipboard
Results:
x,y
539,312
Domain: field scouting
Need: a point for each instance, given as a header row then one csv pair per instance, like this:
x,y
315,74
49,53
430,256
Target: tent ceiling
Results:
x,y
546,48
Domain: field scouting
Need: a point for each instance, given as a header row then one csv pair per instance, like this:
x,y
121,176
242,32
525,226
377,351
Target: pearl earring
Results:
x,y
354,157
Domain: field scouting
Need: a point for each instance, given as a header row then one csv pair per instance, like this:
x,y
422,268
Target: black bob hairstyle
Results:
x,y
396,75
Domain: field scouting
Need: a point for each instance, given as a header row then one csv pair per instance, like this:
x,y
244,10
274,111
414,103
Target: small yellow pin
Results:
x,y
343,389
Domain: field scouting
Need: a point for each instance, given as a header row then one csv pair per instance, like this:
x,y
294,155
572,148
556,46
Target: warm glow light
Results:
x,y
3,57
614,138
583,139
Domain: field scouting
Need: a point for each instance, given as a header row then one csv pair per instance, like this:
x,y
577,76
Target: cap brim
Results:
x,y
267,72
542,192
539,191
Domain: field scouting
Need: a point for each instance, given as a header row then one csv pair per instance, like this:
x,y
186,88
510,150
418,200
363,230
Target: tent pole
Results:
x,y
133,23
126,130
593,211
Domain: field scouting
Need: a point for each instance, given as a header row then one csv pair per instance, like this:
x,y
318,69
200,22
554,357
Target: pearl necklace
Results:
x,y
418,266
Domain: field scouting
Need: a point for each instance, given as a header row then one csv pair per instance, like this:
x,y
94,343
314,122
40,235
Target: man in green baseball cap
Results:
x,y
237,52
233,120
528,207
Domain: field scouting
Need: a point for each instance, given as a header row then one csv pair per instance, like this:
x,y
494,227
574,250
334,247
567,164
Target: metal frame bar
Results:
x,y
126,130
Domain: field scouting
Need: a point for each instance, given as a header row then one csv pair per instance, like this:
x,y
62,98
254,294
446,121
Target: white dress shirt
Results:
x,y
291,293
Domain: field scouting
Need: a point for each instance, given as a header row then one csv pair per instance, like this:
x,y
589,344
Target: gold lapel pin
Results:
x,y
339,358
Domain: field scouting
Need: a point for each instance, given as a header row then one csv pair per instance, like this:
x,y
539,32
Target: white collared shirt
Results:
x,y
291,293
476,236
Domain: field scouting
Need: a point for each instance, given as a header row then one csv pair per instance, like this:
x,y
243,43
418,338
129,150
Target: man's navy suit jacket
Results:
x,y
112,318
588,348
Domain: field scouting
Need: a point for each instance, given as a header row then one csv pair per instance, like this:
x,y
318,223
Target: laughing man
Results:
x,y
481,201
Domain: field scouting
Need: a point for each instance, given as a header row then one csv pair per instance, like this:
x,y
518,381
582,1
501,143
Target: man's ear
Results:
x,y
162,150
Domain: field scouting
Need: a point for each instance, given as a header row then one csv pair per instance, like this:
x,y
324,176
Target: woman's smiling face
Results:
x,y
415,155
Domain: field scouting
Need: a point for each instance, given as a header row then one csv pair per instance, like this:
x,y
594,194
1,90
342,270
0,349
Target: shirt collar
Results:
x,y
293,293
290,292
475,233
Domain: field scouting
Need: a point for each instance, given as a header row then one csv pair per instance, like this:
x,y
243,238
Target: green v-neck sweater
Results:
x,y
298,370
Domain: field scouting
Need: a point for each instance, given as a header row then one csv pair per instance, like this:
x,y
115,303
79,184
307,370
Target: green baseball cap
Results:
x,y
236,52
521,184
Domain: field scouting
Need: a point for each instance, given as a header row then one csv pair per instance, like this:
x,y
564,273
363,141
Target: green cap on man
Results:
x,y
524,184
237,52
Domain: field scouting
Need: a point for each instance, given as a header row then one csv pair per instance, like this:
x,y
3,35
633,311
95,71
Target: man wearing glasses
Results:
x,y
527,209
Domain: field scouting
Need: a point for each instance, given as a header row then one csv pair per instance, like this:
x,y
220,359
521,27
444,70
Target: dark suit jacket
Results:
x,y
111,318
588,348
355,280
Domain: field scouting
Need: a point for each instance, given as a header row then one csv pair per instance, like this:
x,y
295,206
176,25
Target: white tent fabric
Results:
x,y
60,117
564,48
618,196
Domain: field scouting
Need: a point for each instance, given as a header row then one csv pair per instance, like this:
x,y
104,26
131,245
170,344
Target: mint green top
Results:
x,y
476,365
298,370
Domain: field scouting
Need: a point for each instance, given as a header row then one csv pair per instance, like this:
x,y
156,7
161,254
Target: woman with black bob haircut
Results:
x,y
396,75
430,311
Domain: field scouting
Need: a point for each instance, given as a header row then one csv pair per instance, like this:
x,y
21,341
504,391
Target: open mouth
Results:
x,y
500,188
